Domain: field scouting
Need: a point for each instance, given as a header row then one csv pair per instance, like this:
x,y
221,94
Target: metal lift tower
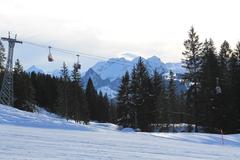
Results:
x,y
6,94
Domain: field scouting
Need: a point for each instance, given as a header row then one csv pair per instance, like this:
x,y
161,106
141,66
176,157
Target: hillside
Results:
x,y
42,135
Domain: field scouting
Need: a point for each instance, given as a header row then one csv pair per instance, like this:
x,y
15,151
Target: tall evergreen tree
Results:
x,y
171,99
91,95
208,96
63,92
237,84
162,107
140,90
156,96
223,59
224,82
124,116
102,108
133,88
192,63
23,89
78,103
232,111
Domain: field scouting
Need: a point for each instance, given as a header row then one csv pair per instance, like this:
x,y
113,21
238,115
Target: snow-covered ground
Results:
x,y
31,136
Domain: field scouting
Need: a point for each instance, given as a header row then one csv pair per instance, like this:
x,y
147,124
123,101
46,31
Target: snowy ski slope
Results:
x,y
38,136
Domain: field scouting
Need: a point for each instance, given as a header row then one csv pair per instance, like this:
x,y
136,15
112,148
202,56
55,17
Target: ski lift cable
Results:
x,y
88,55
75,53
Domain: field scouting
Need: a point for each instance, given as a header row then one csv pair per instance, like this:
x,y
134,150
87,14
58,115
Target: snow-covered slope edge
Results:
x,y
203,138
44,119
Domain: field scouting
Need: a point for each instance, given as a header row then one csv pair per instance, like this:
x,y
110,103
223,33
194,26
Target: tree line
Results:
x,y
211,102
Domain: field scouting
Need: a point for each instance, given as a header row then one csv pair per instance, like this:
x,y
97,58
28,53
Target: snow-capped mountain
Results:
x,y
153,63
115,68
107,74
175,67
97,80
35,69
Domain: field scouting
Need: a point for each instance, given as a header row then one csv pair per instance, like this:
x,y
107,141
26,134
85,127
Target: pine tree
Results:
x,y
133,88
237,85
76,77
78,103
103,108
157,92
23,89
2,56
224,82
208,96
18,68
123,102
63,92
233,95
192,63
171,99
223,60
91,96
162,107
65,73
140,92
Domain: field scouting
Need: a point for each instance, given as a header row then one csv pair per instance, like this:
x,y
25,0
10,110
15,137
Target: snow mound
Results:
x,y
43,119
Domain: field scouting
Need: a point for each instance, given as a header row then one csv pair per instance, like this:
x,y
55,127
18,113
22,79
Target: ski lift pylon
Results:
x,y
50,57
77,65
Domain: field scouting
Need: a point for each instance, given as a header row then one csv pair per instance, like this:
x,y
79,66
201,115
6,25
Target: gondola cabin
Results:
x,y
50,57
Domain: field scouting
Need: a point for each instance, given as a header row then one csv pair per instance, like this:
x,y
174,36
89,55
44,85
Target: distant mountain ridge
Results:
x,y
106,75
115,68
35,69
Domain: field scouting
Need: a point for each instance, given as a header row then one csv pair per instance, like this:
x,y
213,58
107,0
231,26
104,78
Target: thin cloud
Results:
x,y
108,28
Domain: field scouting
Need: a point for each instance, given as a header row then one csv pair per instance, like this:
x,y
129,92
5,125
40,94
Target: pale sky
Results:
x,y
112,28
